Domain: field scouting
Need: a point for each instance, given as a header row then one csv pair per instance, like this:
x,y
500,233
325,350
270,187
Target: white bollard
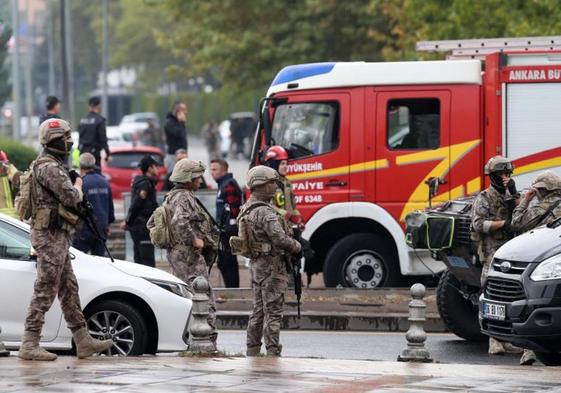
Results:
x,y
199,329
3,350
416,335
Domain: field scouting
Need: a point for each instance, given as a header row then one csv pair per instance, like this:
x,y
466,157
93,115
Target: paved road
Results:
x,y
444,348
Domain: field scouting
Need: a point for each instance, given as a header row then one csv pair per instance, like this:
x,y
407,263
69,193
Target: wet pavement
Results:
x,y
237,374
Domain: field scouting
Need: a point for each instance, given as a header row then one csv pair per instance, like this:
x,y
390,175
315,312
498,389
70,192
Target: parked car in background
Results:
x,y
242,129
142,309
140,117
122,167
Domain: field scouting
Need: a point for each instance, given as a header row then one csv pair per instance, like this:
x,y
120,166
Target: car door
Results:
x,y
17,276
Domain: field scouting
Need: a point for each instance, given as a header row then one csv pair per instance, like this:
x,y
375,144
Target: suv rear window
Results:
x,y
129,160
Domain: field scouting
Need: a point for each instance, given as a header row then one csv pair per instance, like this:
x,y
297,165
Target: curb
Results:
x,y
230,320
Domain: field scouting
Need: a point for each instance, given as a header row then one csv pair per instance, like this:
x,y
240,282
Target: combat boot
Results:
x,y
496,347
30,349
253,351
509,348
275,351
86,345
528,358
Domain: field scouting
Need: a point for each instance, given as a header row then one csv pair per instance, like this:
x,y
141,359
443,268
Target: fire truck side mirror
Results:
x,y
433,183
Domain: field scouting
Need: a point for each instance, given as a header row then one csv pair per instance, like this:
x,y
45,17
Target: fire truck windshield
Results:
x,y
306,129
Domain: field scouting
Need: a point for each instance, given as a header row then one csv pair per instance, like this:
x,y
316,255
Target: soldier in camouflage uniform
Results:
x,y
491,215
530,214
197,238
270,243
51,229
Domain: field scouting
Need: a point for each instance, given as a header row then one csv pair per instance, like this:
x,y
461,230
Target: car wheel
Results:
x,y
118,321
362,260
549,358
458,314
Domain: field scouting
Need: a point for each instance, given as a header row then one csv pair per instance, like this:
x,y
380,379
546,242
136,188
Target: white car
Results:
x,y
144,310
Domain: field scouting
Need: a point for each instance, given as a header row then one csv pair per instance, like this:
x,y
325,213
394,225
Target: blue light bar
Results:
x,y
295,72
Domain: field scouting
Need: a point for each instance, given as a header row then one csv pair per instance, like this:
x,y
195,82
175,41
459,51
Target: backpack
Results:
x,y
159,226
24,199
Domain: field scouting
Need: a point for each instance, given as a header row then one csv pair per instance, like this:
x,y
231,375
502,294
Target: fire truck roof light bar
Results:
x,y
475,47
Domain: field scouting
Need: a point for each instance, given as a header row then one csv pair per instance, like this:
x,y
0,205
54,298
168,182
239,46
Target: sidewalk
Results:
x,y
167,373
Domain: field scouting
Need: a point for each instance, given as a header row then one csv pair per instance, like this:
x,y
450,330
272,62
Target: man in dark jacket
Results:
x,y
143,204
52,105
229,195
176,133
93,135
97,190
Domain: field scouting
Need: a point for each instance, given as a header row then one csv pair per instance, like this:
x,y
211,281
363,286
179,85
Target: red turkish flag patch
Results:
x,y
54,124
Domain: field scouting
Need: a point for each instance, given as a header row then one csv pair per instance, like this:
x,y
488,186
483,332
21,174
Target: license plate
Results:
x,y
494,311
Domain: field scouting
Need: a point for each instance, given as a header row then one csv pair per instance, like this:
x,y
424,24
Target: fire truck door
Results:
x,y
413,135
315,128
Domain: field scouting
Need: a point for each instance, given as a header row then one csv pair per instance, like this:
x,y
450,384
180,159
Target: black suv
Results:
x,y
521,301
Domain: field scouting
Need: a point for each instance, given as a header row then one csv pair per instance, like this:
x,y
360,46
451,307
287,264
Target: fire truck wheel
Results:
x,y
458,314
362,261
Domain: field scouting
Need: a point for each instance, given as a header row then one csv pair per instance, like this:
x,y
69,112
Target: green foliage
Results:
x,y
19,154
244,43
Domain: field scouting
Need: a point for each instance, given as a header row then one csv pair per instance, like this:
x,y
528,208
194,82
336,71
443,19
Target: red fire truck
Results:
x,y
364,138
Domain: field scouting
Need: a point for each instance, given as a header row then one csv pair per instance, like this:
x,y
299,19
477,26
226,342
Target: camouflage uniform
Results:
x,y
265,238
52,225
189,221
51,238
490,205
269,277
527,216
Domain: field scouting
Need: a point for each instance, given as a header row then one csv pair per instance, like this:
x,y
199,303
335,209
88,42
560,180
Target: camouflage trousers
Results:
x,y
268,302
54,277
188,264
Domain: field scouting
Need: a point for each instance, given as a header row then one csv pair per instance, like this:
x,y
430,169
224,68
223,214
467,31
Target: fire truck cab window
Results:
x,y
306,129
413,123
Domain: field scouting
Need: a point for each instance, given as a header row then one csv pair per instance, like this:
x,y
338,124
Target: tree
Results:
x,y
409,21
244,43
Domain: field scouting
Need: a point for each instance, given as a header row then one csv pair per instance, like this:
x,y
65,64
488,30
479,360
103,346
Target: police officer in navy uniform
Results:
x,y
93,135
143,203
98,192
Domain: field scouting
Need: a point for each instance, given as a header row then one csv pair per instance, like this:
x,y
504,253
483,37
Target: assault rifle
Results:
x,y
218,227
86,213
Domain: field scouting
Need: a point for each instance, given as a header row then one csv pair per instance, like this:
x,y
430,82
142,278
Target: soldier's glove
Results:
x,y
73,175
511,185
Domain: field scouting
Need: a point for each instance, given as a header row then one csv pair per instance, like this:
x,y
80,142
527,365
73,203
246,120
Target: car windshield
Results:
x,y
14,242
306,128
130,160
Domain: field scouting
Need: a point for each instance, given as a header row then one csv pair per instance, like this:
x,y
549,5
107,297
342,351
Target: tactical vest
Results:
x,y
245,243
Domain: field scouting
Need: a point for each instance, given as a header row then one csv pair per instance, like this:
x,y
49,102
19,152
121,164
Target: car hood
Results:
x,y
138,270
533,246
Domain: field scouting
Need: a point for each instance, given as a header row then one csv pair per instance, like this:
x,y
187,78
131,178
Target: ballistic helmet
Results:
x,y
498,164
186,170
260,175
52,129
548,180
